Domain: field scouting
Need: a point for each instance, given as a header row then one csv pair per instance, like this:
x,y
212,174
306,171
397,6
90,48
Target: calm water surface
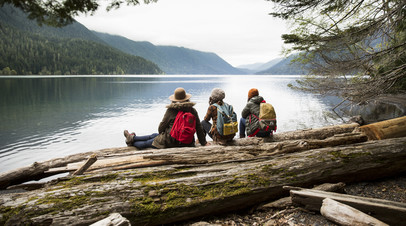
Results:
x,y
47,117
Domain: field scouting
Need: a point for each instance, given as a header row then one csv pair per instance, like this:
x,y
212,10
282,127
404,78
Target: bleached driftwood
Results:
x,y
346,215
392,213
114,219
287,201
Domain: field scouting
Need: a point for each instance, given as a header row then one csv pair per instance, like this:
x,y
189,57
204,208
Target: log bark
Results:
x,y
192,186
346,215
392,213
386,129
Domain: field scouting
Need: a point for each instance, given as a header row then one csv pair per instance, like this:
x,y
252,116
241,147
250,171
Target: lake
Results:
x,y
47,117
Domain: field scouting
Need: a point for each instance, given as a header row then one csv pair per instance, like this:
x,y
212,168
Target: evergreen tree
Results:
x,y
338,38
61,13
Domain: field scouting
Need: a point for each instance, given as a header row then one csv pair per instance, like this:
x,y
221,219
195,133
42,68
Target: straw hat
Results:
x,y
180,95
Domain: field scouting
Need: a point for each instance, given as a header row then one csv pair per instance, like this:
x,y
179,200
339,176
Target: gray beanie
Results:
x,y
217,94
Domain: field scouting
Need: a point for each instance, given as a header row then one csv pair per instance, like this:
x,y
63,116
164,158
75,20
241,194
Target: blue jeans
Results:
x,y
206,128
142,142
259,134
242,127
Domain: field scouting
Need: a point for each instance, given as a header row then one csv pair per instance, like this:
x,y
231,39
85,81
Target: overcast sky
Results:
x,y
239,31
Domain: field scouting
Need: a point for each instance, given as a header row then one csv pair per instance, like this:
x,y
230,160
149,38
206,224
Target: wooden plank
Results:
x,y
346,215
393,213
85,166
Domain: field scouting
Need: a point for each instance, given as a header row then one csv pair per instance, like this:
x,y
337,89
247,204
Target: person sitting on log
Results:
x,y
258,117
222,115
177,128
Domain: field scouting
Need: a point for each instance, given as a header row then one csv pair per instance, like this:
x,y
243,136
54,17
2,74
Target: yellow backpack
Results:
x,y
267,117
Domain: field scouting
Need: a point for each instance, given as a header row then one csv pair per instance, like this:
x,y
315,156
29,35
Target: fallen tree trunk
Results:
x,y
130,157
316,133
393,213
187,189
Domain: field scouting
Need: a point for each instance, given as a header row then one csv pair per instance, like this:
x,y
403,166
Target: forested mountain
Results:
x,y
26,48
171,59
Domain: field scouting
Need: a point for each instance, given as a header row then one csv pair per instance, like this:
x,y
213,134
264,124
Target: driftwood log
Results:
x,y
346,215
284,202
129,157
390,212
386,129
195,182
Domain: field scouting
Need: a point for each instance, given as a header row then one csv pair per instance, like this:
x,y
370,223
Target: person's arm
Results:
x,y
165,122
246,111
209,113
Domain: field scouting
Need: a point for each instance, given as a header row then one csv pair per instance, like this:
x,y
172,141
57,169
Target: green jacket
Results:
x,y
164,139
252,107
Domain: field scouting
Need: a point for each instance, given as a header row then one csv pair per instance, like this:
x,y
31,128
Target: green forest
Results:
x,y
31,54
29,49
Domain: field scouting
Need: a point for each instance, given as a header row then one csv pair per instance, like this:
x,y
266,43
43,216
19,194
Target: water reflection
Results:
x,y
44,118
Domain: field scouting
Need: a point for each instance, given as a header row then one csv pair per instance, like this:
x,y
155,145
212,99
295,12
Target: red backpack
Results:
x,y
184,127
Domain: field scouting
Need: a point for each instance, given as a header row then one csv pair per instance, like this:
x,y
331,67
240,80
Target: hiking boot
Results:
x,y
129,138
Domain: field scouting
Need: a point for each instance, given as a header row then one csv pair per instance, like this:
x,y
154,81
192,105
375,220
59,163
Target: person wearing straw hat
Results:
x,y
180,102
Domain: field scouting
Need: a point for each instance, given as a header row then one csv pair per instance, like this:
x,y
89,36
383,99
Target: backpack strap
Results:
x,y
257,130
222,112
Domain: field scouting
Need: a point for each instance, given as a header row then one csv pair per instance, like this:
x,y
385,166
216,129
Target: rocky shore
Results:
x,y
393,189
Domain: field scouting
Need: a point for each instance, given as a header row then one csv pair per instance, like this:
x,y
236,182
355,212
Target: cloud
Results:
x,y
239,31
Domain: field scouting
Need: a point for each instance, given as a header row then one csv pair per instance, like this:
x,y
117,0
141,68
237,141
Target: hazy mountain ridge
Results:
x,y
172,59
260,66
284,67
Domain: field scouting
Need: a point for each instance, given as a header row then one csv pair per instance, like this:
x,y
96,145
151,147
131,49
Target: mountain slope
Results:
x,y
16,18
285,67
171,59
27,48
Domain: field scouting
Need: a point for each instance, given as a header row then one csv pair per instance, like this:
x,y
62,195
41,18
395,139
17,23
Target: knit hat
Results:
x,y
217,94
252,93
180,95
